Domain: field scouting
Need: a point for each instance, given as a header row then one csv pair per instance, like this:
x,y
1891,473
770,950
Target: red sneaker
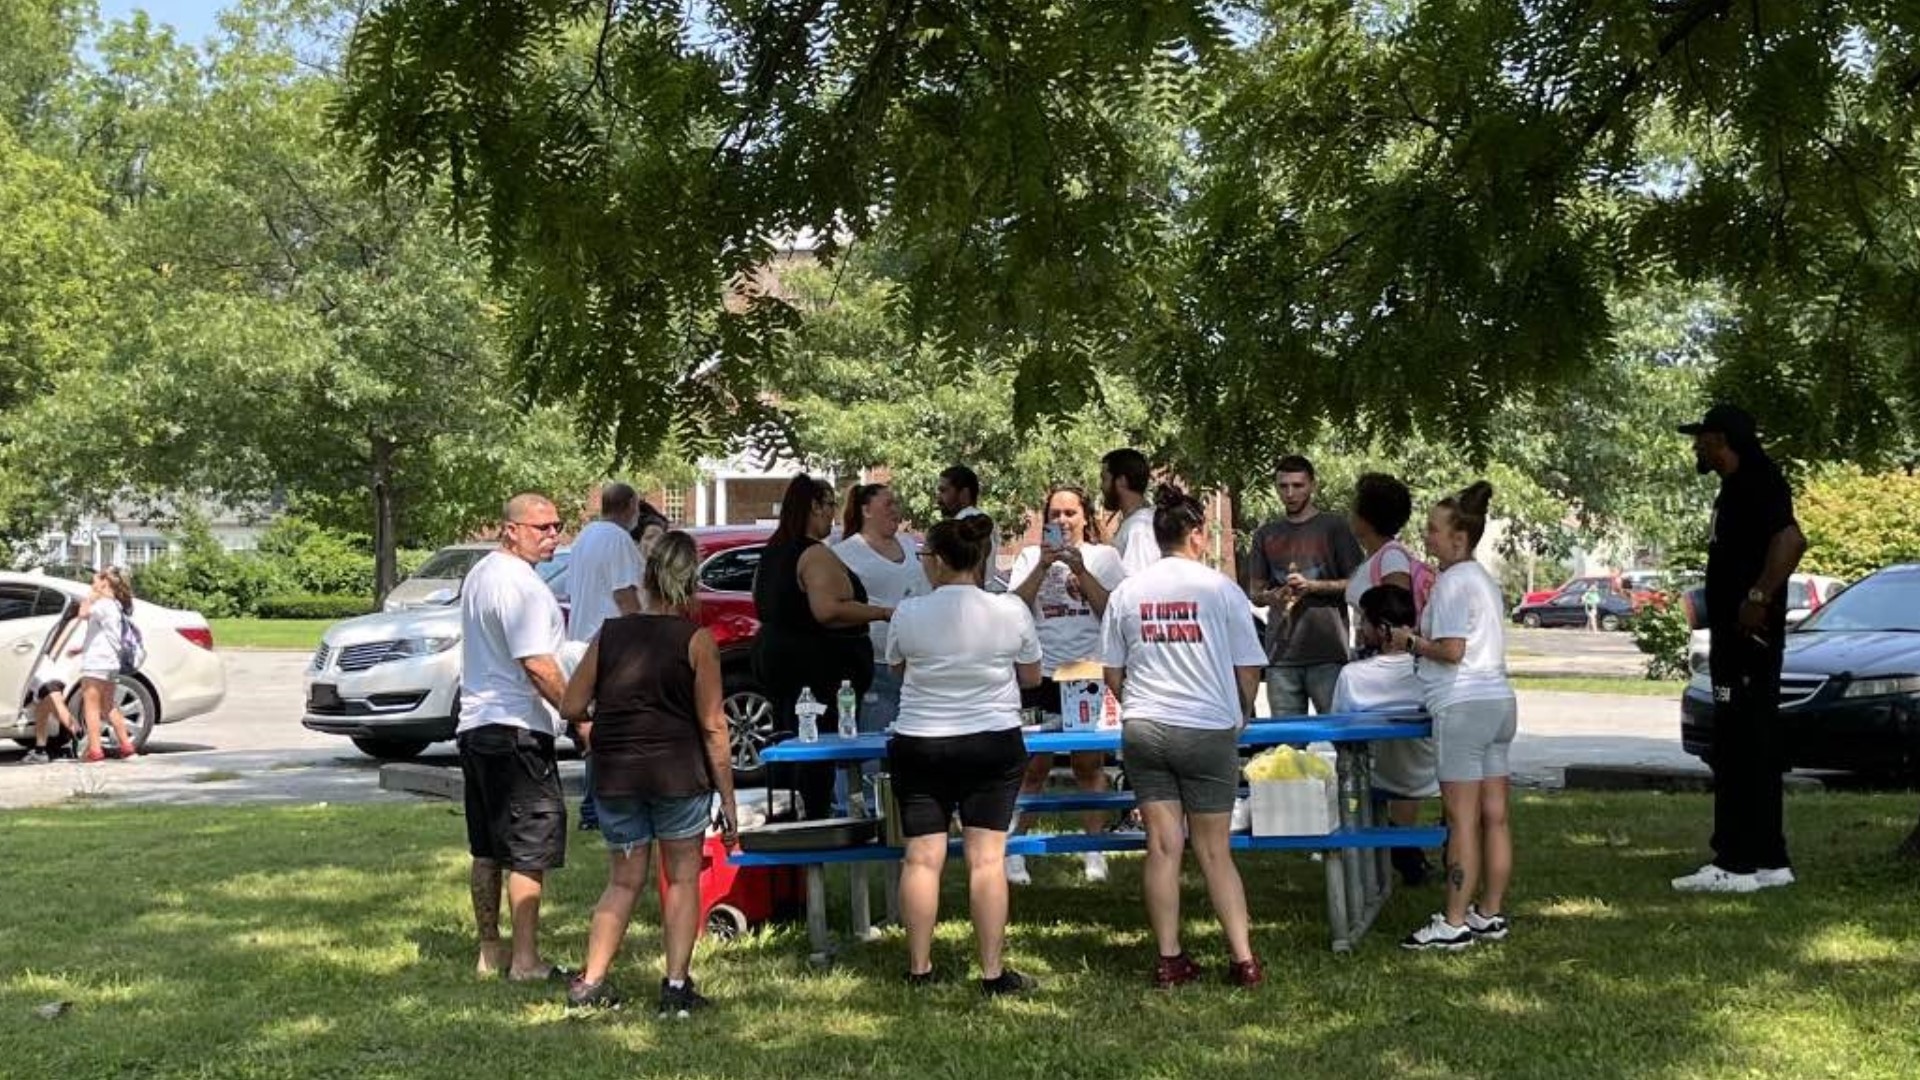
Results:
x,y
1172,971
128,752
95,754
1246,973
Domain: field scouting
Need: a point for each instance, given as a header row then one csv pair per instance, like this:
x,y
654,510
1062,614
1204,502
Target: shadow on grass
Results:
x,y
336,941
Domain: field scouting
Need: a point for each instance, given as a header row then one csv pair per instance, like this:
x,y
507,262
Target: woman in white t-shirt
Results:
x,y
1180,651
1064,581
887,562
1461,655
1381,507
963,655
105,610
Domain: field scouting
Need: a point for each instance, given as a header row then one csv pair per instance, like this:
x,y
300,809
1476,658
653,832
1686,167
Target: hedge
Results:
x,y
311,606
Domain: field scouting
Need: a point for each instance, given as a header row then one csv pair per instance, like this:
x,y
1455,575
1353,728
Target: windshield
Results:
x,y
449,564
1882,602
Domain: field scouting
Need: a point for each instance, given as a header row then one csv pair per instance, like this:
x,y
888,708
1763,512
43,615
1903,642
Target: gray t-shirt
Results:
x,y
1321,548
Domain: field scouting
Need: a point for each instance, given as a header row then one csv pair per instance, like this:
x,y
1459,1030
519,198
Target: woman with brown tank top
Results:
x,y
647,699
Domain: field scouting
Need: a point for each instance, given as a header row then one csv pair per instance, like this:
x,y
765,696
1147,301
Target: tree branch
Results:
x,y
1692,17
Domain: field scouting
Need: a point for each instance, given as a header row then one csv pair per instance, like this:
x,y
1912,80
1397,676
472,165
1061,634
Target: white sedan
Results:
x,y
182,678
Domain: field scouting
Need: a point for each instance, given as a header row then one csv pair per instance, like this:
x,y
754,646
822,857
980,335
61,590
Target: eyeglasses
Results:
x,y
538,526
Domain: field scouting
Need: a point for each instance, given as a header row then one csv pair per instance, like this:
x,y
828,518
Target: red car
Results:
x,y
1606,583
729,556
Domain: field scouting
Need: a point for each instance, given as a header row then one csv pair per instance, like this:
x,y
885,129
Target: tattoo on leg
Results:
x,y
486,899
1456,877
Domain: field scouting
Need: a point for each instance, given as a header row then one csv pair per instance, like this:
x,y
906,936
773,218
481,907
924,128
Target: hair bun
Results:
x,y
1168,495
1476,498
976,527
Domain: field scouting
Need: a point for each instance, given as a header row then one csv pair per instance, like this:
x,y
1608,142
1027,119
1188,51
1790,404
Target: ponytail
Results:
x,y
1468,511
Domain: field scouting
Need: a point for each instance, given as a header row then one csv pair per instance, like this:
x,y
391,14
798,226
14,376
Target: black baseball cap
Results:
x,y
1730,420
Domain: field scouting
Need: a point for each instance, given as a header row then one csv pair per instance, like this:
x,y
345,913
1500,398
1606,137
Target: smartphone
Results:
x,y
1054,535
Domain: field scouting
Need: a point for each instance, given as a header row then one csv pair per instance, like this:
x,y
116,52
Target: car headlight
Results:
x,y
1903,684
423,646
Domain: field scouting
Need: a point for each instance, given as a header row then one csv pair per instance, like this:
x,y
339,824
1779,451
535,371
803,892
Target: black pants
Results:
x,y
1749,827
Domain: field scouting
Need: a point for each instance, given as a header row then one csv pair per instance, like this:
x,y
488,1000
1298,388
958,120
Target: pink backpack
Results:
x,y
1419,570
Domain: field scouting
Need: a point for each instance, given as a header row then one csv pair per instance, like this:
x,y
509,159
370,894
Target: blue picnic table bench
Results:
x,y
1358,877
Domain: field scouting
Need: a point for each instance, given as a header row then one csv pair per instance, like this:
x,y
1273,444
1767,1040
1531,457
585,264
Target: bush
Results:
x,y
317,561
312,606
1660,630
207,578
1857,523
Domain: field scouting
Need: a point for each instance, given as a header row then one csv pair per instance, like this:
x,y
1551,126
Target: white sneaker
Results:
x,y
1439,934
1096,865
1017,870
1775,878
1711,878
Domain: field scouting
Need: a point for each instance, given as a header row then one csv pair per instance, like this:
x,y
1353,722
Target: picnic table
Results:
x,y
1358,877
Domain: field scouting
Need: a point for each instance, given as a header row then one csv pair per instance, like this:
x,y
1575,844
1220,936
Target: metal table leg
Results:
x,y
1352,860
1337,906
817,933
860,903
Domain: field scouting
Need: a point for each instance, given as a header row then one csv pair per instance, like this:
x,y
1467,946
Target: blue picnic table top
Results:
x,y
1332,727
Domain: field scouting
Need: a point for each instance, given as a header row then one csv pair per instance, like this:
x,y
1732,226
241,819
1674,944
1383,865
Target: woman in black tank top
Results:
x,y
813,626
647,700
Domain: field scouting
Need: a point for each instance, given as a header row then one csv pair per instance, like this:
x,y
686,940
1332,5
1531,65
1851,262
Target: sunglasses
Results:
x,y
540,526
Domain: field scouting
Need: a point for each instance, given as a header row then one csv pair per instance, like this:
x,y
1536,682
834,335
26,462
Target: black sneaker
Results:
x,y
1009,983
929,977
1412,866
582,994
681,1003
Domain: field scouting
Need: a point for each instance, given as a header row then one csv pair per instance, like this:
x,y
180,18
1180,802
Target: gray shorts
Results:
x,y
1472,737
1199,768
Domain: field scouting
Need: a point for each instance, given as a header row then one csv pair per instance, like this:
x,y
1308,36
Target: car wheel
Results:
x,y
749,726
391,749
1531,620
726,923
1609,623
134,701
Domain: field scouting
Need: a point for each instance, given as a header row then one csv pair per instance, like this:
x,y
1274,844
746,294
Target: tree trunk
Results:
x,y
385,545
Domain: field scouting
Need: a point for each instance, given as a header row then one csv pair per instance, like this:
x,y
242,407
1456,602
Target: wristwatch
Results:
x,y
1755,596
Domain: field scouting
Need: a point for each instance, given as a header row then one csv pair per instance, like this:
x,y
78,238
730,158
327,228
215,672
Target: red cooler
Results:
x,y
735,899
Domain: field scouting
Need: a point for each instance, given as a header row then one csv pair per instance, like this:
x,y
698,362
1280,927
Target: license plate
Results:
x,y
323,696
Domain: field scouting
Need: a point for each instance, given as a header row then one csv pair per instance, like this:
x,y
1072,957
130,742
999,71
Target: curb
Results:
x,y
445,781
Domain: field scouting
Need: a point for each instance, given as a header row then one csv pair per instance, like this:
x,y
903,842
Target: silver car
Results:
x,y
390,681
438,580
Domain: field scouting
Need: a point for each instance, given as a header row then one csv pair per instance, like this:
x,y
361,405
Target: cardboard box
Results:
x,y
1294,807
1085,702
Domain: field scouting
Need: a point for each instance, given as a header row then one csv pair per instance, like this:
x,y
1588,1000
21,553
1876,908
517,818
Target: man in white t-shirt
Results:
x,y
958,497
1124,477
1406,769
604,583
510,687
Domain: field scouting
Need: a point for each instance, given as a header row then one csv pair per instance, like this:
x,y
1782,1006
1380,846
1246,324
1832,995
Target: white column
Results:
x,y
700,502
720,499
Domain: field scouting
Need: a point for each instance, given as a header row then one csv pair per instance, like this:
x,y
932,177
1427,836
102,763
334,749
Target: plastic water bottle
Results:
x,y
807,710
848,704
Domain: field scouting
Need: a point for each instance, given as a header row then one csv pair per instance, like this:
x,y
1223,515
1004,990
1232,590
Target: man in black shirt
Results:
x,y
1753,550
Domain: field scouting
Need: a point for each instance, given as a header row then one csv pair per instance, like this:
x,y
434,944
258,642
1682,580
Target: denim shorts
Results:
x,y
625,823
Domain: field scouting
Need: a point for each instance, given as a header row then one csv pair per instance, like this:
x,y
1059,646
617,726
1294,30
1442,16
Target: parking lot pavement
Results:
x,y
253,749
1573,652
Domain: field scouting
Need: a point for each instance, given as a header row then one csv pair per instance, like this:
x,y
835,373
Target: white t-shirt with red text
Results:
x,y
1179,629
1069,630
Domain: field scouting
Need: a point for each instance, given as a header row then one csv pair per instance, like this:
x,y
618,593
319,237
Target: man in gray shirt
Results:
x,y
1298,570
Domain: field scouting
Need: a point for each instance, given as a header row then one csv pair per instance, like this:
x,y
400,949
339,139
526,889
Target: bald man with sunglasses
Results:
x,y
510,689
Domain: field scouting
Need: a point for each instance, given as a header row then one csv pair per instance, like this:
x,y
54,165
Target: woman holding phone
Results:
x,y
1065,581
647,699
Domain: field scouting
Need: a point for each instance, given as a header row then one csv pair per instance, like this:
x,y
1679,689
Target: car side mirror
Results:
x,y
440,597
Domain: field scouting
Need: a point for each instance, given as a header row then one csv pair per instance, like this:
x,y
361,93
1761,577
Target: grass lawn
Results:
x,y
1600,684
334,942
298,634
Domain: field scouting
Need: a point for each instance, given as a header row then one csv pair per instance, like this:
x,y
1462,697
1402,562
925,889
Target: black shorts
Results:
x,y
977,776
516,812
48,689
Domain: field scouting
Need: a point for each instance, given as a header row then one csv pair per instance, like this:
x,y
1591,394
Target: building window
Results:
x,y
674,504
145,552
